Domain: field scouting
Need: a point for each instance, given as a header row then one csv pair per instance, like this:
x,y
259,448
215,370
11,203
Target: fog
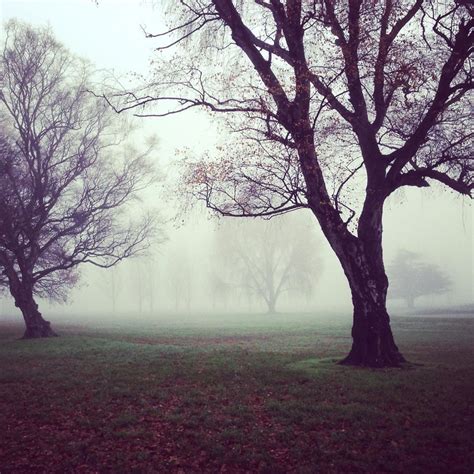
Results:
x,y
411,222
175,277
147,287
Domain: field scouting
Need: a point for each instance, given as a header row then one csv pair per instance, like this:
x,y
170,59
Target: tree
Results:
x,y
411,278
179,279
112,284
65,183
144,272
139,280
268,258
219,289
151,272
336,104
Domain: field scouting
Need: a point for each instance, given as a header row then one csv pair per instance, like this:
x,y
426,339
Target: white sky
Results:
x,y
109,34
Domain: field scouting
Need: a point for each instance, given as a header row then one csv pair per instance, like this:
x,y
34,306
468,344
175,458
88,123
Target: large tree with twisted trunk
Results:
x,y
66,176
336,104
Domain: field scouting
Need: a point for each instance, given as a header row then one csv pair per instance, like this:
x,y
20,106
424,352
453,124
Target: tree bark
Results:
x,y
36,325
373,343
361,258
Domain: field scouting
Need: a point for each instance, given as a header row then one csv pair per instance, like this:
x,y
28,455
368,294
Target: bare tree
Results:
x,y
112,284
219,289
337,104
179,279
65,181
268,258
150,268
139,283
411,278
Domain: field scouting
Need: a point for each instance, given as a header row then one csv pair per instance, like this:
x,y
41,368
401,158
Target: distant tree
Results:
x,y
220,289
150,269
112,284
268,258
65,179
410,278
179,277
138,280
335,104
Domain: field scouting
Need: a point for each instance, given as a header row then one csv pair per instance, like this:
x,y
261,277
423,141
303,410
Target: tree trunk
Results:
x,y
361,258
271,306
36,326
373,344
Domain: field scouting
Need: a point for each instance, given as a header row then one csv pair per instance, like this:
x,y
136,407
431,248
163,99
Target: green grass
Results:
x,y
265,396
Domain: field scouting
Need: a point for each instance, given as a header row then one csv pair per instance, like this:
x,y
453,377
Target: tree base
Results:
x,y
40,331
387,359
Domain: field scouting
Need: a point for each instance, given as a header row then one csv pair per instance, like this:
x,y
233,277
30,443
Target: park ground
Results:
x,y
235,394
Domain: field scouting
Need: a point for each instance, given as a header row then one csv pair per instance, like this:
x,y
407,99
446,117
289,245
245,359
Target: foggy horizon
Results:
x,y
410,221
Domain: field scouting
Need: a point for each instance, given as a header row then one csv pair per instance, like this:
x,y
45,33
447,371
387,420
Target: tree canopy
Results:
x,y
67,174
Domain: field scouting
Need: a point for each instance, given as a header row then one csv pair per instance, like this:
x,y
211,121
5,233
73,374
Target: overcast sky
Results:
x,y
109,34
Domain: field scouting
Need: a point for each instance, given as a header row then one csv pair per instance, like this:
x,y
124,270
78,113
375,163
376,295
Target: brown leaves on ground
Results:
x,y
107,404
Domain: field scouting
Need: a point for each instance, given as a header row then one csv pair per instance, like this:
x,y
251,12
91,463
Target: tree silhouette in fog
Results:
x,y
66,176
268,258
179,279
410,278
334,104
111,283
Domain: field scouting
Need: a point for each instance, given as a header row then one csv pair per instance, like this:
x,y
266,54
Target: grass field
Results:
x,y
239,394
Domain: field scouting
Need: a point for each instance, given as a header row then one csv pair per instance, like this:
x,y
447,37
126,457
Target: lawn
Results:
x,y
235,394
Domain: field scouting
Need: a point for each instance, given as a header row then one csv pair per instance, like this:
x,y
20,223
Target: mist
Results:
x,y
175,276
180,268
